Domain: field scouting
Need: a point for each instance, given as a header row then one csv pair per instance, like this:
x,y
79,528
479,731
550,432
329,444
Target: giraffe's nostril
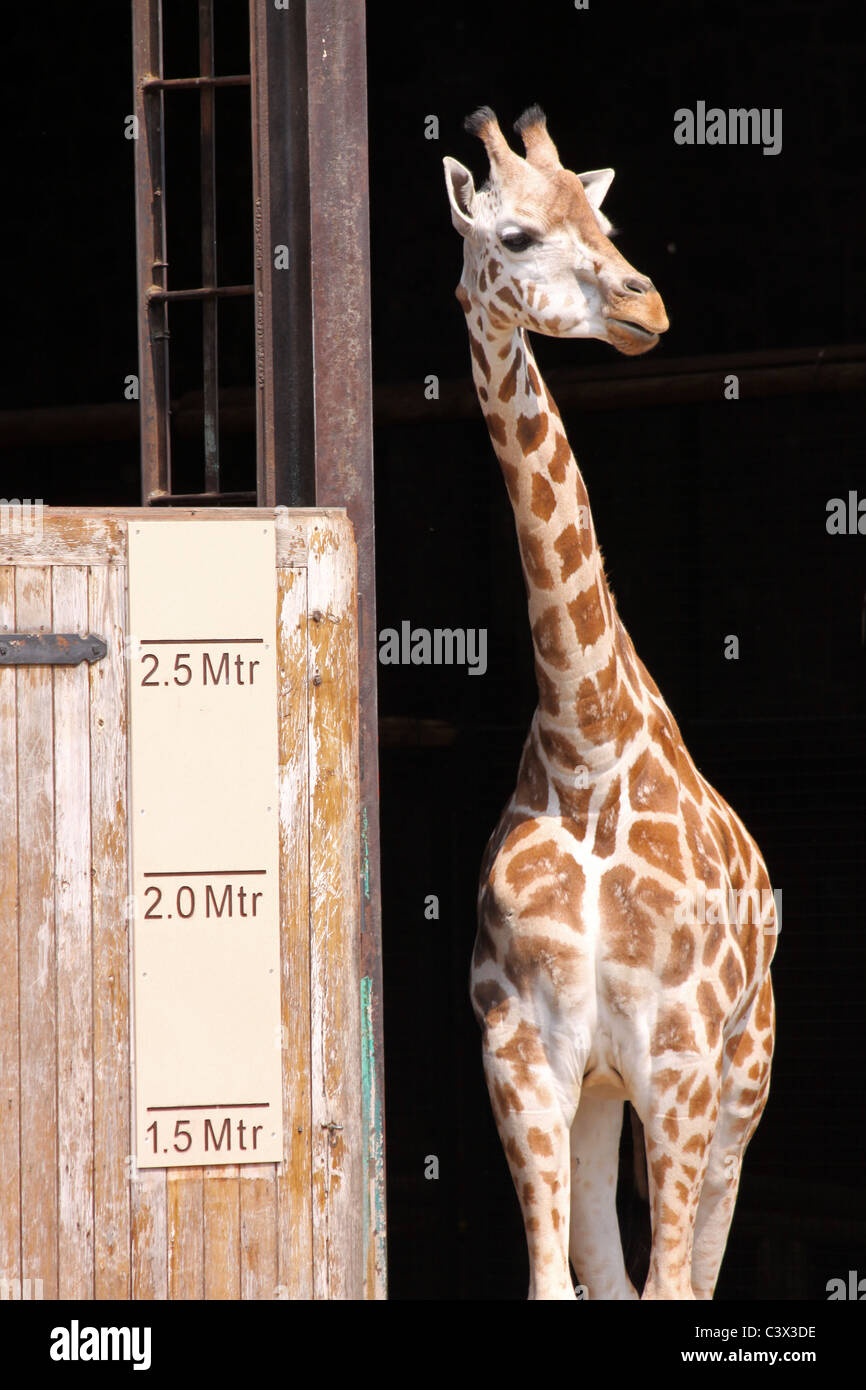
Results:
x,y
638,286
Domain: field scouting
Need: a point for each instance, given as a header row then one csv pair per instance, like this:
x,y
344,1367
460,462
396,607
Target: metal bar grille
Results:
x,y
155,296
208,248
150,239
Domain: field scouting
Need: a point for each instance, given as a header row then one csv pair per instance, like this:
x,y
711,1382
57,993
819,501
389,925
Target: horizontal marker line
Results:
x,y
220,1105
200,873
194,641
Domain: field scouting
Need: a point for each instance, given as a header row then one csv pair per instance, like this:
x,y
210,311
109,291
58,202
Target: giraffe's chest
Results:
x,y
615,934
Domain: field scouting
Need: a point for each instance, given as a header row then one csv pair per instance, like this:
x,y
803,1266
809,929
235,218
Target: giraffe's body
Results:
x,y
608,965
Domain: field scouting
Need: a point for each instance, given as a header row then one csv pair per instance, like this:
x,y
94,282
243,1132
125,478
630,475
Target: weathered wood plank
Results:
x,y
149,1252
37,961
109,890
67,537
10,1176
73,929
335,914
294,1176
258,1231
185,1233
222,1232
97,536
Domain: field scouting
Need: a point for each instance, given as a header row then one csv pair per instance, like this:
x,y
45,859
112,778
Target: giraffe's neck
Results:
x,y
585,665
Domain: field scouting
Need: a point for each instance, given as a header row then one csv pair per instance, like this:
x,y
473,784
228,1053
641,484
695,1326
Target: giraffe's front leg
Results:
x,y
678,1130
533,1122
744,1095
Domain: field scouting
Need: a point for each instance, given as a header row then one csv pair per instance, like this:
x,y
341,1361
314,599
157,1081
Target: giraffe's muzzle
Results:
x,y
635,321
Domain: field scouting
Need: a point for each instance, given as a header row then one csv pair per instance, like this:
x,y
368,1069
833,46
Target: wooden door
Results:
x,y
78,1219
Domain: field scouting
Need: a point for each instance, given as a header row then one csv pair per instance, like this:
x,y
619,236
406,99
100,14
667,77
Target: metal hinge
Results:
x,y
49,648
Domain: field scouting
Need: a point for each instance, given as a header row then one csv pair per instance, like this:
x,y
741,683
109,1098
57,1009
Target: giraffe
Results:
x,y
600,974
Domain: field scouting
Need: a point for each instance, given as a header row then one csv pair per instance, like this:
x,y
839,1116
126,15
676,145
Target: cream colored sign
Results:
x,y
203,735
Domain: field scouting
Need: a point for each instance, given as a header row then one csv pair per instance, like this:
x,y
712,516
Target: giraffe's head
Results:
x,y
537,252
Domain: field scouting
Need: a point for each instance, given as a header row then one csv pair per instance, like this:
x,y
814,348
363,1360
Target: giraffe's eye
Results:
x,y
516,240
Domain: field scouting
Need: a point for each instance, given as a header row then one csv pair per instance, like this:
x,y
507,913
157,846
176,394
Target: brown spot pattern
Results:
x,y
534,560
560,459
568,548
522,1052
548,639
558,748
712,942
529,957
700,847
629,720
731,975
513,1154
574,803
487,996
540,1143
543,497
764,1006
587,616
681,957
548,695
701,1099
505,1099
531,787
658,843
628,926
477,350
673,1031
608,819
497,427
508,385
649,786
711,1011
531,430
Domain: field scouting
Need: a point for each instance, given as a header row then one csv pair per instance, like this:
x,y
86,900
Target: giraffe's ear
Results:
x,y
596,182
461,195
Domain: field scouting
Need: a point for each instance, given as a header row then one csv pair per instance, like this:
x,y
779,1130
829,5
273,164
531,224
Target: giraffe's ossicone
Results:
x,y
626,922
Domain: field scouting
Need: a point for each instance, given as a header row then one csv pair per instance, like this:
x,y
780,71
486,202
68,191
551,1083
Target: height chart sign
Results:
x,y
205,849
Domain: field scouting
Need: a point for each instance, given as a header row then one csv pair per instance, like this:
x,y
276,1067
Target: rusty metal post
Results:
x,y
209,308
340,260
150,238
314,390
285,417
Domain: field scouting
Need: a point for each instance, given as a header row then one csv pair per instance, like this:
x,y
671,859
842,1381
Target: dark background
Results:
x,y
711,514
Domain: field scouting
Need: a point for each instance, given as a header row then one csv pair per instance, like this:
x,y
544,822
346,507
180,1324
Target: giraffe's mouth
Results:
x,y
635,328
